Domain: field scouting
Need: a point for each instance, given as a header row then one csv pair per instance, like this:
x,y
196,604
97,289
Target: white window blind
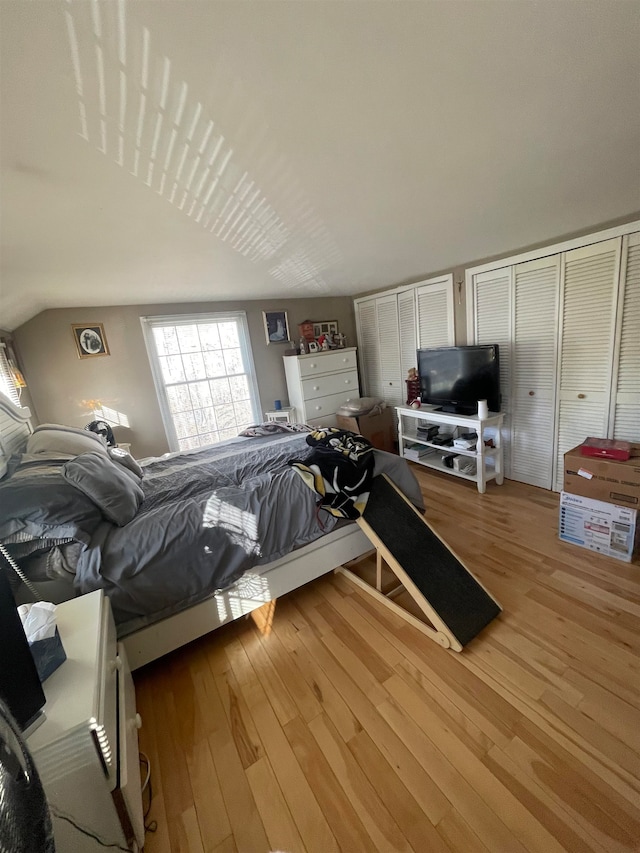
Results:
x,y
7,383
204,375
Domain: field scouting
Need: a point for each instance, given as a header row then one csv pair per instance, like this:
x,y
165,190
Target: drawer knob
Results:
x,y
581,396
316,387
138,721
318,408
313,364
118,663
532,393
347,382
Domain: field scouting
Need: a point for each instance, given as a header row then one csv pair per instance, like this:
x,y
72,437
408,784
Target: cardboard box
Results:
x,y
603,479
599,526
378,429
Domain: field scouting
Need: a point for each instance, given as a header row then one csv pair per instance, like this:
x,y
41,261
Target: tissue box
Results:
x,y
48,654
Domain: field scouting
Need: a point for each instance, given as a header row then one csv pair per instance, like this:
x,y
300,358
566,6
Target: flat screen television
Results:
x,y
455,378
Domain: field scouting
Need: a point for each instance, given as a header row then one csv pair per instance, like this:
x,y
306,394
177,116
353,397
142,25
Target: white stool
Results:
x,y
287,415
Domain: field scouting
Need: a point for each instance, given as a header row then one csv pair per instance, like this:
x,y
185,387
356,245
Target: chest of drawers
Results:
x,y
319,383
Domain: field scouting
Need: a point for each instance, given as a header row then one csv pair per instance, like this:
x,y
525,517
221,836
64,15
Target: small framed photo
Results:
x,y
90,339
313,346
325,327
276,327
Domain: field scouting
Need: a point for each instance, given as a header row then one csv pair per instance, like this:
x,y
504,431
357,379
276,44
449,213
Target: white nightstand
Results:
x,y
286,415
86,750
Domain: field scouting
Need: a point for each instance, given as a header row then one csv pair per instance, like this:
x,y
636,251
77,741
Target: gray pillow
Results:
x,y
37,502
111,488
64,439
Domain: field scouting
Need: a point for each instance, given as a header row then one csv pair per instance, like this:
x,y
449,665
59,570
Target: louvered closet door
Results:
x,y
588,299
435,323
407,327
369,348
535,324
492,325
389,335
625,410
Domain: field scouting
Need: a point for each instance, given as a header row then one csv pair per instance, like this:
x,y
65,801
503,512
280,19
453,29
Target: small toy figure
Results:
x,y
413,387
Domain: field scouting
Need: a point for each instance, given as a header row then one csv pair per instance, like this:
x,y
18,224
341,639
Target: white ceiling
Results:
x,y
175,151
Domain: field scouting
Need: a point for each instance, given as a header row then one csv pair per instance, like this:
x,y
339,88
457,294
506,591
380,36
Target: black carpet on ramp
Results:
x,y
458,599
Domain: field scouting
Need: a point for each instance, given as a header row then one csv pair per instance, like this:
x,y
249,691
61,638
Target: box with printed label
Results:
x,y
603,479
599,526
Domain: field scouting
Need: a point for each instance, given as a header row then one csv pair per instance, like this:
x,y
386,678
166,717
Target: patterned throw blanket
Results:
x,y
271,428
339,469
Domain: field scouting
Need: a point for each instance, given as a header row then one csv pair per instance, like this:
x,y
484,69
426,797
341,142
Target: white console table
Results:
x,y
489,463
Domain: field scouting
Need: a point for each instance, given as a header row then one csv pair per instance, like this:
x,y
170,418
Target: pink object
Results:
x,y
606,448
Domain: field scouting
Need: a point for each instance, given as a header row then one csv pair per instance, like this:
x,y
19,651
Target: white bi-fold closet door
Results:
x,y
568,327
516,307
586,346
393,325
624,418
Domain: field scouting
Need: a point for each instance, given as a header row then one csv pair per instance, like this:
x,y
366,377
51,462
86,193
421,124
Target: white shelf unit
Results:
x,y
489,462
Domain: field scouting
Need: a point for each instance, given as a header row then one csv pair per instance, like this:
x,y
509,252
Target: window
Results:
x,y
7,381
204,375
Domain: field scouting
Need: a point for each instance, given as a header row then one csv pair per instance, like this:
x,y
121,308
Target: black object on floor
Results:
x,y
449,588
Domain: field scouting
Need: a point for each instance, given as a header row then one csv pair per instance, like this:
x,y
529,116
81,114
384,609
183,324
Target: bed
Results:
x,y
200,539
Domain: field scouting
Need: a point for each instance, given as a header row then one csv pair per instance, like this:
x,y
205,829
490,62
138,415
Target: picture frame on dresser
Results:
x,y
325,327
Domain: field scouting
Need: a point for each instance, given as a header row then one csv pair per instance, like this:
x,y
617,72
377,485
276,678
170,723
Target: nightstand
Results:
x,y
86,750
285,415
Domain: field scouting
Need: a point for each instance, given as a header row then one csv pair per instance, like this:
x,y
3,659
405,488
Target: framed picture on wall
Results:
x,y
90,339
325,327
276,327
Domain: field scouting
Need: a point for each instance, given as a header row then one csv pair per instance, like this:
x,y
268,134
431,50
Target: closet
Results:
x,y
568,327
393,324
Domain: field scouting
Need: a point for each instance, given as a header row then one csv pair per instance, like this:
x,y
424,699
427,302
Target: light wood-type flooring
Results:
x,y
327,723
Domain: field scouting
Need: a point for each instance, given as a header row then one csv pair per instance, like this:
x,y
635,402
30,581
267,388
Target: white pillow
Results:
x,y
54,438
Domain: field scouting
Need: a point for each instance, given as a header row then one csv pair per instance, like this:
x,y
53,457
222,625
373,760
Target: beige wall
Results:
x,y
458,272
60,383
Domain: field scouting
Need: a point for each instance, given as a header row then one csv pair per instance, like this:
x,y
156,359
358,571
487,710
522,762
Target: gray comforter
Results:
x,y
193,524
206,518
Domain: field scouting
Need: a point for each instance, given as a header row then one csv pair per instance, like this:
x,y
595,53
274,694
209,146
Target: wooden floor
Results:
x,y
329,724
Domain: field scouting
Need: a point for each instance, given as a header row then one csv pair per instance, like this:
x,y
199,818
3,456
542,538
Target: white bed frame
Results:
x,y
252,591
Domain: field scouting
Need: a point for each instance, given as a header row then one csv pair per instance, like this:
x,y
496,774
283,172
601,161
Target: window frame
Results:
x,y
8,380
159,320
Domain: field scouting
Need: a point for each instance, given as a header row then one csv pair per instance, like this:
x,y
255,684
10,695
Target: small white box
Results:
x,y
599,526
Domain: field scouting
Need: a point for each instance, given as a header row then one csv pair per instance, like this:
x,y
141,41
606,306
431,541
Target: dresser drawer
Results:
x,y
320,407
334,383
327,362
129,799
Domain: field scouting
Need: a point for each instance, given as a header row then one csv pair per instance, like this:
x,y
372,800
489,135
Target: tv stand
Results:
x,y
489,462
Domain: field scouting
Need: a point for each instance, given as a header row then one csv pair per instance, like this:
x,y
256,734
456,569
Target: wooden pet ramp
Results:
x,y
440,587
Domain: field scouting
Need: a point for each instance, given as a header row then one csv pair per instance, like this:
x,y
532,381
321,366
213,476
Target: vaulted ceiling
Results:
x,y
174,151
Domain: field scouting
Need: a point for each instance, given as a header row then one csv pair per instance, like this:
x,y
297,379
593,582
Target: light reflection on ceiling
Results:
x,y
134,109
